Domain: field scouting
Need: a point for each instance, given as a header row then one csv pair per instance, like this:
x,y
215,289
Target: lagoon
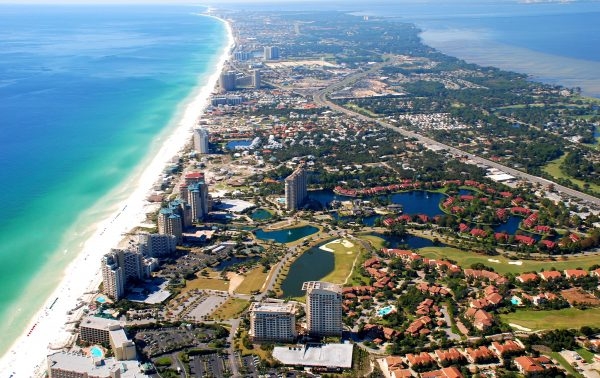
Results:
x,y
286,235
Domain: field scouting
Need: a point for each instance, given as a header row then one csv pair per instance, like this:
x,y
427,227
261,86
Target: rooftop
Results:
x,y
314,285
272,307
94,367
326,355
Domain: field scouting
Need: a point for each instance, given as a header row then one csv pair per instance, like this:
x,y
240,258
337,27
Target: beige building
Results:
x,y
273,321
71,365
323,308
95,330
295,189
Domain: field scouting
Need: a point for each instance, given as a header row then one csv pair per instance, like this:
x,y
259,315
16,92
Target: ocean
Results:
x,y
87,93
555,42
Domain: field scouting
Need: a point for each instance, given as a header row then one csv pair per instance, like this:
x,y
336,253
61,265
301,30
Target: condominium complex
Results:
x,y
323,308
197,197
156,245
227,80
271,52
201,140
170,223
121,265
96,330
274,322
295,189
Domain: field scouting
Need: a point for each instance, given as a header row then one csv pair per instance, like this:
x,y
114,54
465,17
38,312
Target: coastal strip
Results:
x,y
48,329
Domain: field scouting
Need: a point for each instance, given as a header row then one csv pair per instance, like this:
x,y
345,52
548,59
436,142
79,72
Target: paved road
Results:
x,y
321,99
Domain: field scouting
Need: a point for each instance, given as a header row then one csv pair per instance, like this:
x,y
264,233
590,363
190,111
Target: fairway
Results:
x,y
345,253
253,281
553,319
502,266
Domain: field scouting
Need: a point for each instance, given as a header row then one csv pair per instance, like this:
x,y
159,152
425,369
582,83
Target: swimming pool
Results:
x,y
96,352
385,310
101,300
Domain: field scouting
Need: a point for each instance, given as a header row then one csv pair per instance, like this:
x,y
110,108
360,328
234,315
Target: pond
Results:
x,y
407,241
313,265
413,202
286,235
232,144
260,215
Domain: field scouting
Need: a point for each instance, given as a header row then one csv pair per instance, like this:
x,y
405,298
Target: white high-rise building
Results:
x,y
198,199
113,277
323,308
170,223
271,52
274,322
156,245
295,189
201,138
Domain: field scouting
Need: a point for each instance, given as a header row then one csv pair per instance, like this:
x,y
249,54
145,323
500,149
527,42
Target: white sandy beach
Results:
x,y
47,330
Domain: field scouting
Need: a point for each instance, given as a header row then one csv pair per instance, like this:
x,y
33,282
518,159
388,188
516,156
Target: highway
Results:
x,y
321,99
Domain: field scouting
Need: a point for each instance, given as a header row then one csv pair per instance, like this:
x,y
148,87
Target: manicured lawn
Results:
x,y
231,309
375,241
253,281
553,168
502,266
586,355
553,319
203,283
565,364
344,255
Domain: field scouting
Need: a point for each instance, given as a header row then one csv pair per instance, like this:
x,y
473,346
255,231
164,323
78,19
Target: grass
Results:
x,y
231,309
466,259
565,364
343,263
553,169
554,319
253,281
256,351
586,355
212,282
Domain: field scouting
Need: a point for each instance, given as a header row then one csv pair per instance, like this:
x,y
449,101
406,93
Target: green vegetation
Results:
x,y
565,364
203,283
586,355
466,259
253,281
232,308
553,169
345,254
553,319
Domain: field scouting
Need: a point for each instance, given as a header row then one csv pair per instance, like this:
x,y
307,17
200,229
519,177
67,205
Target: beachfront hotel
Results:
x,y
197,196
273,322
72,365
96,330
170,223
227,81
295,189
121,265
156,245
323,308
201,138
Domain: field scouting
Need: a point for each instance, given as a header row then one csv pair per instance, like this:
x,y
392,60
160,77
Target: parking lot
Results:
x,y
209,365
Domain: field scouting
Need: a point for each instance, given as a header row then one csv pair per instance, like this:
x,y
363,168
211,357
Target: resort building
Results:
x,y
197,196
113,278
170,223
96,330
156,245
271,52
121,265
72,365
332,357
201,140
256,79
272,321
323,308
227,81
295,189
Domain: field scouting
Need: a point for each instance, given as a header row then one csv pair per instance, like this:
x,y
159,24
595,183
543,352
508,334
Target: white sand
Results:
x,y
47,330
515,262
494,260
345,242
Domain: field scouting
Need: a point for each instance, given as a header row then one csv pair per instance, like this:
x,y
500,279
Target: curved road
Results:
x,y
321,99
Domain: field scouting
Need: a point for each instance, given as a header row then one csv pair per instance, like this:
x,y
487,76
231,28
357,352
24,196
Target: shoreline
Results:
x,y
46,330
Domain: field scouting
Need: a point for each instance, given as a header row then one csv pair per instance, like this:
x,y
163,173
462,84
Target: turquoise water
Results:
x,y
286,235
87,94
231,145
101,300
385,310
96,352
